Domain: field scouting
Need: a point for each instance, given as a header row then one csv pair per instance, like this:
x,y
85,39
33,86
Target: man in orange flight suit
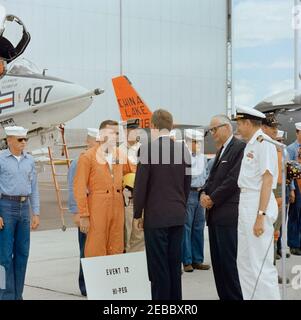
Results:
x,y
98,193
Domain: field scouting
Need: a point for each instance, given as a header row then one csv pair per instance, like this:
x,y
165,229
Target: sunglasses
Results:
x,y
214,129
22,139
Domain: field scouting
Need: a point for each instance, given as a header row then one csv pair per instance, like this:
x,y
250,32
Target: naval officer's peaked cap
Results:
x,y
271,120
248,113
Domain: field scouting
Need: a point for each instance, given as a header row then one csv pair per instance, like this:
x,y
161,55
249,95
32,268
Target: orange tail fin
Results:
x,y
131,106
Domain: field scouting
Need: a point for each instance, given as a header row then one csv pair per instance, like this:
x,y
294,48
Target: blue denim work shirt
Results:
x,y
19,178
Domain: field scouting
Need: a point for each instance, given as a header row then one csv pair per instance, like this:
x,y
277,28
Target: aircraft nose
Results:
x,y
71,90
75,90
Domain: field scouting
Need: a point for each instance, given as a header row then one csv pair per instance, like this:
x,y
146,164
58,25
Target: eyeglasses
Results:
x,y
214,129
22,139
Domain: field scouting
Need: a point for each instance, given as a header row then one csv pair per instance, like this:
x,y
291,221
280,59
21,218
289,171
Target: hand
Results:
x,y
258,228
1,223
76,219
276,235
292,196
206,201
203,200
138,224
84,224
209,203
35,222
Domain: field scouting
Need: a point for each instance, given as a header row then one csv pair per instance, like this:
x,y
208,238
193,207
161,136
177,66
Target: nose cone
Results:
x,y
67,100
65,90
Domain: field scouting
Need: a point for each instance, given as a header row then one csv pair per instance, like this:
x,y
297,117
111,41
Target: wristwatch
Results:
x,y
261,213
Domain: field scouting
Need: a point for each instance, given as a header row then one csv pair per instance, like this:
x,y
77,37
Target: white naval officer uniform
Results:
x,y
256,254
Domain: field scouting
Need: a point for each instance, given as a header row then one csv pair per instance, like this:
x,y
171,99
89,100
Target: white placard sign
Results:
x,y
117,277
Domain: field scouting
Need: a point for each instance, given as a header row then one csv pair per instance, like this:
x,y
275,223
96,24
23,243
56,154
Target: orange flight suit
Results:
x,y
103,203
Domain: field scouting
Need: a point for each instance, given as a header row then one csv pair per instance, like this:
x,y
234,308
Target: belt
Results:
x,y
245,190
196,189
14,198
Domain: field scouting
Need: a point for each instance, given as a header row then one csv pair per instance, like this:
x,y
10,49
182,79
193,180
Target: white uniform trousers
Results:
x,y
252,250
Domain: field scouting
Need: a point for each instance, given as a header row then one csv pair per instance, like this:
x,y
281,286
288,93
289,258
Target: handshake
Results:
x,y
206,201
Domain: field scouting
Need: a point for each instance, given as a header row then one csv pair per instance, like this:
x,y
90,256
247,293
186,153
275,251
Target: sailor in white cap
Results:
x,y
19,192
173,134
257,210
91,140
193,238
294,216
133,237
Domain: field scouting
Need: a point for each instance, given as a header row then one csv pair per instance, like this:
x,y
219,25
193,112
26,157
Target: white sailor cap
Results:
x,y
248,113
93,132
194,134
298,125
280,134
173,133
16,131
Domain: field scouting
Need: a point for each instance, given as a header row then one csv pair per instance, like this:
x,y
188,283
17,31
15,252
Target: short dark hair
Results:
x,y
108,123
255,123
162,119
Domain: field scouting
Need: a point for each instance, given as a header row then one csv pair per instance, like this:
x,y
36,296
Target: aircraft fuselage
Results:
x,y
23,97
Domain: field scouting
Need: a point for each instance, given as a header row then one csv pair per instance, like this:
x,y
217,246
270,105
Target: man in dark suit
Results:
x,y
161,189
221,197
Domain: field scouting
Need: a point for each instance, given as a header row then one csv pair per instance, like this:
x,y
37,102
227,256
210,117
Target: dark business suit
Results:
x,y
161,190
222,219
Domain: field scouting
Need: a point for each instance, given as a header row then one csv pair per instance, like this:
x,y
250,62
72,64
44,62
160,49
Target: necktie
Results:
x,y
220,152
217,157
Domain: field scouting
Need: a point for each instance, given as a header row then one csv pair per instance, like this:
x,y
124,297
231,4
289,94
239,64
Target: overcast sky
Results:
x,y
262,49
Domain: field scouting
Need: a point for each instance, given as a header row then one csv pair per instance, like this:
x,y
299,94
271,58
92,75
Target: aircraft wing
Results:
x,y
285,100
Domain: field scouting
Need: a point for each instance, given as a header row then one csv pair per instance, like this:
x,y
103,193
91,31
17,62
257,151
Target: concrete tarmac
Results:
x,y
54,257
54,262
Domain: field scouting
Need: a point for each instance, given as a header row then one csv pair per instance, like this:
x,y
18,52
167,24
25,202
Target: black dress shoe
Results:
x,y
279,255
280,280
295,251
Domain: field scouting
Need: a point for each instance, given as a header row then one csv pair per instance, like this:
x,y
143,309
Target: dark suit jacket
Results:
x,y
162,189
222,186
